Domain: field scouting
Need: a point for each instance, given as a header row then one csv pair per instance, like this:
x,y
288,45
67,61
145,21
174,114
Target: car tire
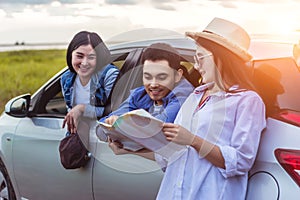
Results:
x,y
6,188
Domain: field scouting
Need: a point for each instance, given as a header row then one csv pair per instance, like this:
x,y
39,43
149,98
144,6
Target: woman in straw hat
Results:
x,y
220,122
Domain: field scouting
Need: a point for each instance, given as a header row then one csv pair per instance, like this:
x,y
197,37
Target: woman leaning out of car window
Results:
x,y
87,83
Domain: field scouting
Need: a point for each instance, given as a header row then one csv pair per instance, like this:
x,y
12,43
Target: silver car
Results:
x,y
30,130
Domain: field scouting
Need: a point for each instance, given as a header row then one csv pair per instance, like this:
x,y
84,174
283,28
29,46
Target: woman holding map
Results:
x,y
220,122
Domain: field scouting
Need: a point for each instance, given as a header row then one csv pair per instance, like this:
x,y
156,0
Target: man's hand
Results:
x,y
111,119
117,147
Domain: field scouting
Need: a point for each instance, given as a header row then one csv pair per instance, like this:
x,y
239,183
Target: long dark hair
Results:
x,y
232,68
86,38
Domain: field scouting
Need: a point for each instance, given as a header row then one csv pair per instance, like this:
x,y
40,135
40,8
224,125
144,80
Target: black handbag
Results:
x,y
73,153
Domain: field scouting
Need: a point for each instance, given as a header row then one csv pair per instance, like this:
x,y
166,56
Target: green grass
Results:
x,y
25,71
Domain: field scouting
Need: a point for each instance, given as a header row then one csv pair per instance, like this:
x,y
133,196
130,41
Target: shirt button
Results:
x,y
179,184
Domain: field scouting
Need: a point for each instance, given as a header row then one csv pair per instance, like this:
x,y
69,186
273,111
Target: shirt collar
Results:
x,y
204,87
235,89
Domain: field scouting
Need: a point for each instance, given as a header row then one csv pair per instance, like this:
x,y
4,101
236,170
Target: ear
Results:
x,y
178,75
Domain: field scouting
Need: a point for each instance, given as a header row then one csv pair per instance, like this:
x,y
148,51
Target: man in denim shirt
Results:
x,y
164,90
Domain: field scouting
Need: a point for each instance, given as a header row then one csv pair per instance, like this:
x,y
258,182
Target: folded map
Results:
x,y
137,130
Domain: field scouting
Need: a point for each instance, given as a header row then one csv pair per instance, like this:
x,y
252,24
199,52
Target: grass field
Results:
x,y
25,71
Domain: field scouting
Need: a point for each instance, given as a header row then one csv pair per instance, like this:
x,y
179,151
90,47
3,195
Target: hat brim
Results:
x,y
198,36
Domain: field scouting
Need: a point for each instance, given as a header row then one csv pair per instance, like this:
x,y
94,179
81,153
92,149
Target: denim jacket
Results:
x,y
100,88
139,99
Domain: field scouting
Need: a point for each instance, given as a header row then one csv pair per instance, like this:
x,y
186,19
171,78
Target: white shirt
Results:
x,y
232,121
81,93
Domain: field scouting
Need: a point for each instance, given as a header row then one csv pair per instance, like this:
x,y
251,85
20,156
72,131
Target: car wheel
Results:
x,y
6,189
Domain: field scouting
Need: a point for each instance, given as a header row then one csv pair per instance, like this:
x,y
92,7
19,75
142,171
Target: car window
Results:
x,y
188,65
56,105
192,75
130,77
277,81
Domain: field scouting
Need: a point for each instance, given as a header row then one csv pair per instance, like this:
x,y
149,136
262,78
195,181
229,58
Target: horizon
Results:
x,y
267,37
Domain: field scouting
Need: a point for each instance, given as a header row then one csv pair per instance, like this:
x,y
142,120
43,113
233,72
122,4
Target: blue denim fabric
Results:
x,y
139,99
98,95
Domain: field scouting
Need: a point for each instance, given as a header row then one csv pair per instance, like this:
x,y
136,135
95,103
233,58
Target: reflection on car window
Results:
x,y
56,105
278,81
118,63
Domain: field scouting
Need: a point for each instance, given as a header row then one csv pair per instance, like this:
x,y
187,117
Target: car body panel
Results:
x,y
266,163
38,139
262,49
112,172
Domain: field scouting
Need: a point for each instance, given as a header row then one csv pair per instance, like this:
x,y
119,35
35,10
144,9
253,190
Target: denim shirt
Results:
x,y
139,99
100,88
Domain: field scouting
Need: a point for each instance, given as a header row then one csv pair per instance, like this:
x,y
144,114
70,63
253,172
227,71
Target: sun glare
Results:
x,y
55,4
283,25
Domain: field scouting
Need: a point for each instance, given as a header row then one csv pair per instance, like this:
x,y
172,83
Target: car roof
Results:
x,y
178,42
259,49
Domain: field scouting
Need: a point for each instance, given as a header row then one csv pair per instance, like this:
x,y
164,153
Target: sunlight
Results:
x,y
2,13
55,4
283,25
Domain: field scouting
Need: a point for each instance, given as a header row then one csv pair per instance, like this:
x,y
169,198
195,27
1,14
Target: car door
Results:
x,y
126,176
36,162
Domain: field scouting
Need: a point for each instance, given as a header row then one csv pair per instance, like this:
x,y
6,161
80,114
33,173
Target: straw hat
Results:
x,y
227,34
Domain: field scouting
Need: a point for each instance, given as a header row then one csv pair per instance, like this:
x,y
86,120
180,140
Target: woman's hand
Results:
x,y
72,118
117,147
180,135
110,120
177,134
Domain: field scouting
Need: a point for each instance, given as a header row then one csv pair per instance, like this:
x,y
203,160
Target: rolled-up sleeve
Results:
x,y
161,161
240,154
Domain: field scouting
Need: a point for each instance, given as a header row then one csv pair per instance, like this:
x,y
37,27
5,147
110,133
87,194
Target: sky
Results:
x,y
47,21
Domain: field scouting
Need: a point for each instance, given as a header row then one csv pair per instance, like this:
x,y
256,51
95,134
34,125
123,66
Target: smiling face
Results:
x,y
84,62
204,64
159,79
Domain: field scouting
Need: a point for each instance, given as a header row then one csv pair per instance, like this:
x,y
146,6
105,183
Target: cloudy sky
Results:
x,y
46,21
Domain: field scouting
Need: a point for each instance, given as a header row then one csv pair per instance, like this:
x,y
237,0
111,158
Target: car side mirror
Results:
x,y
18,106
